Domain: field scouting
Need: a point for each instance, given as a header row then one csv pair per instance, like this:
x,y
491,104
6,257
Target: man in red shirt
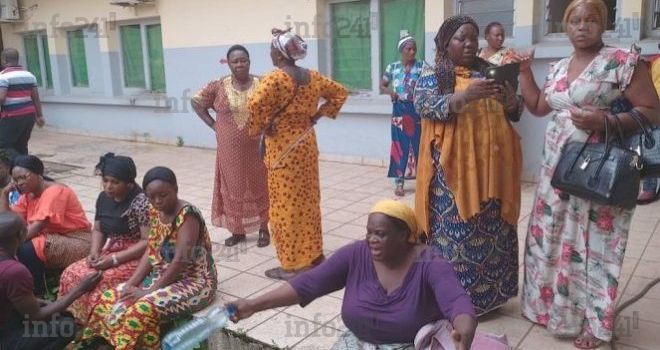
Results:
x,y
25,324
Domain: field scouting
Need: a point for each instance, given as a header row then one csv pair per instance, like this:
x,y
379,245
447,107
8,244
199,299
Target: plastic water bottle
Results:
x,y
199,329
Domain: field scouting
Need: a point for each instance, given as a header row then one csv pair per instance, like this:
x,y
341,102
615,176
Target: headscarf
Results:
x,y
290,44
444,67
401,211
404,40
120,167
159,173
29,162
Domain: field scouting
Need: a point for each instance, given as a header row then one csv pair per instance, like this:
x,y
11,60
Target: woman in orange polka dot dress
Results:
x,y
286,104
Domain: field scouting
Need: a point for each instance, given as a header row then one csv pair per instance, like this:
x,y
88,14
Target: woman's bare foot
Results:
x,y
399,191
587,341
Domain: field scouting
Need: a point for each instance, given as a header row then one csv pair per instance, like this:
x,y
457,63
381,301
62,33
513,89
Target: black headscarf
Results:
x,y
159,173
120,167
444,67
29,162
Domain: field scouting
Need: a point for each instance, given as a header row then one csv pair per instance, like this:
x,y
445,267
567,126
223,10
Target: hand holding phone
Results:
x,y
506,73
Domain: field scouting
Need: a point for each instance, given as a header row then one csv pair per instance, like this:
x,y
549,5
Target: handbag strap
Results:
x,y
645,126
271,122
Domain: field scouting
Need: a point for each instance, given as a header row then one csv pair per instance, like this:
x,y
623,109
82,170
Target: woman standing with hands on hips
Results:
x,y
240,193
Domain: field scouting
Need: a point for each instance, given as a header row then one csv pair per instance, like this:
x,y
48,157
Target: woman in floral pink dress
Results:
x,y
575,248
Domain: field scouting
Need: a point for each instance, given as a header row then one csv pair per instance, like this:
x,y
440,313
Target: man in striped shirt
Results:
x,y
21,107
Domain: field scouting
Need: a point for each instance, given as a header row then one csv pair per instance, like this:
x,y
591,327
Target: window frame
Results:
x,y
77,90
40,36
509,36
651,7
375,31
546,36
131,91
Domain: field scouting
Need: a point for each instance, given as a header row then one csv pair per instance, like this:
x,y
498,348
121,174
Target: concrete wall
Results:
x,y
197,33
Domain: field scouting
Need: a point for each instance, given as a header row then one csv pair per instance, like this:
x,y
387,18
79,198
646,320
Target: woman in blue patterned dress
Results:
x,y
470,163
406,127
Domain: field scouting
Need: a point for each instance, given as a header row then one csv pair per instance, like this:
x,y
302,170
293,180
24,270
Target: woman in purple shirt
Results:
x,y
393,286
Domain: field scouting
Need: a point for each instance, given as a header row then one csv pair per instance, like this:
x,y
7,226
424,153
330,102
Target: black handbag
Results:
x,y
604,173
646,142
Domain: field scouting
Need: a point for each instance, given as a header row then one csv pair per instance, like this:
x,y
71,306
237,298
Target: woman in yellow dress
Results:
x,y
286,106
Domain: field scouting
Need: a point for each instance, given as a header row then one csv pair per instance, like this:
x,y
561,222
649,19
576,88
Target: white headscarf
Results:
x,y
291,45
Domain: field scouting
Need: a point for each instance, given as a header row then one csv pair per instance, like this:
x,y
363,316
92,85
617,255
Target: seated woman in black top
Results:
x,y
119,237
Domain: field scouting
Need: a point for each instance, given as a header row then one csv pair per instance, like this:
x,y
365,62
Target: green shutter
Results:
x,y
351,44
398,15
78,58
49,72
32,57
131,48
156,61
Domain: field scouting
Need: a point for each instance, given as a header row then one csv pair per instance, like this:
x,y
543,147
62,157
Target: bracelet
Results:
x,y
115,261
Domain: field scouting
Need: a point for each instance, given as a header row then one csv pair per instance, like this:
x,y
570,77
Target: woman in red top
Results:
x,y
58,231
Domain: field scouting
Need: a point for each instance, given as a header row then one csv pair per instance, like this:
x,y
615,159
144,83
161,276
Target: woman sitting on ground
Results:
x,y
58,231
175,278
393,286
119,236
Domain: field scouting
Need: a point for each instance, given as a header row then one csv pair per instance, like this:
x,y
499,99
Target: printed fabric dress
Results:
x,y
406,126
575,248
134,216
468,188
240,192
504,56
138,326
292,160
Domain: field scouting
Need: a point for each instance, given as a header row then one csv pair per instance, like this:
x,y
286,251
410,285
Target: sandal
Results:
x,y
648,197
399,191
234,239
279,273
587,341
264,238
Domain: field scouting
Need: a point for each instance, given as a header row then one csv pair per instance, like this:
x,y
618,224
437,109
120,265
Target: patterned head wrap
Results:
x,y
444,67
401,211
404,40
290,44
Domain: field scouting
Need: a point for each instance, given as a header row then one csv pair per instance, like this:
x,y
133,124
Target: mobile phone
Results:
x,y
508,72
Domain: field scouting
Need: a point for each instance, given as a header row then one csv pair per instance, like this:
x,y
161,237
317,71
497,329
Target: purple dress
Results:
x,y
430,291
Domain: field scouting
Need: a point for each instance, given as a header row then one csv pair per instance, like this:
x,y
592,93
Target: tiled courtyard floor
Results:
x,y
348,192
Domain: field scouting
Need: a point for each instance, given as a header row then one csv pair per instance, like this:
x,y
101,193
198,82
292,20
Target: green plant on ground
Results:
x,y
179,141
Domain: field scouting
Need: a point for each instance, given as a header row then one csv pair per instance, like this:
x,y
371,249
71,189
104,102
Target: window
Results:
x,y
38,59
78,58
142,57
655,24
486,11
555,14
352,30
398,16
